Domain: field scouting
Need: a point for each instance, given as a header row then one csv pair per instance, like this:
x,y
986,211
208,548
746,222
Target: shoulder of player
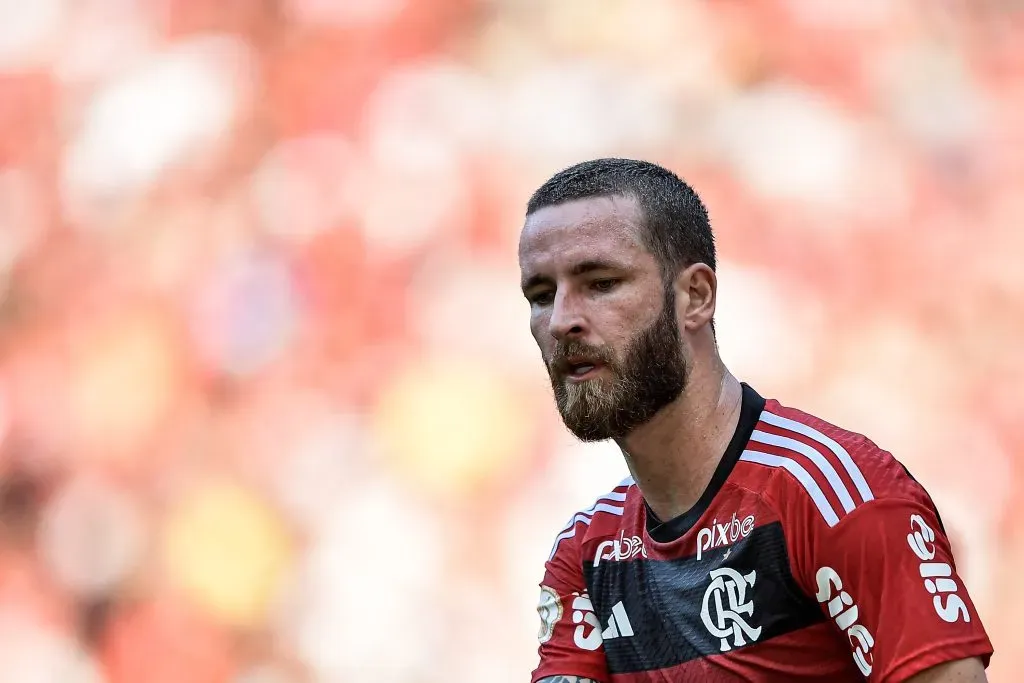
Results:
x,y
607,509
814,462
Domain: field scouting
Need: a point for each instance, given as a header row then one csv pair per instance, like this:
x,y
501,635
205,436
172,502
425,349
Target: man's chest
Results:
x,y
720,598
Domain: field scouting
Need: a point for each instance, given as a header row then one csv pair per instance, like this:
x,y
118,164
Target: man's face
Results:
x,y
601,315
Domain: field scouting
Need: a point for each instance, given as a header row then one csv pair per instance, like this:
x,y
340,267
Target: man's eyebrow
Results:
x,y
591,265
580,268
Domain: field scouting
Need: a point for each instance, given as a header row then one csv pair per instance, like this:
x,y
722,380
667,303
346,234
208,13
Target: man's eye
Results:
x,y
605,285
541,298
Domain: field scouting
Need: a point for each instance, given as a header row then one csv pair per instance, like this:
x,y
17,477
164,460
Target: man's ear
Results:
x,y
696,291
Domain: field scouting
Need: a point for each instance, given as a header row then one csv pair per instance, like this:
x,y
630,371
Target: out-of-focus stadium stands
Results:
x,y
269,407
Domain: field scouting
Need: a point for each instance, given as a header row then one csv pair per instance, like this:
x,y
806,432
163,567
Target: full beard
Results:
x,y
651,375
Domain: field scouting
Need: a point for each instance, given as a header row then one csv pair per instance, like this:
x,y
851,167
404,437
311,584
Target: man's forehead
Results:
x,y
611,219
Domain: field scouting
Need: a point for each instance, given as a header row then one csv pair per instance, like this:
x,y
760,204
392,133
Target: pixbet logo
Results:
x,y
718,535
845,613
936,575
619,549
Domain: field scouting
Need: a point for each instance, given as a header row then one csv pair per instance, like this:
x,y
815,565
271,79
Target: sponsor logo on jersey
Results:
x,y
717,535
618,624
844,612
938,576
587,635
621,548
550,610
727,606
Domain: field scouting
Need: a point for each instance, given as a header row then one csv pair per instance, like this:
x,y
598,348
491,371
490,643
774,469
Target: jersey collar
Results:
x,y
675,528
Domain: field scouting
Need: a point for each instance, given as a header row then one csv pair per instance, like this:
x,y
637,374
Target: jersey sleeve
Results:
x,y
570,633
885,577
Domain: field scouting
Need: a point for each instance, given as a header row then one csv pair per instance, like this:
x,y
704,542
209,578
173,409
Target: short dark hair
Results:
x,y
676,228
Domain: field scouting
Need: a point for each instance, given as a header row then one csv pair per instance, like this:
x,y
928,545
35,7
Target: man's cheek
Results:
x,y
538,326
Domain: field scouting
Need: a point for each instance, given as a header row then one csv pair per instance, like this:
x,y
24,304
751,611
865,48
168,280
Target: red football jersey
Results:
x,y
813,555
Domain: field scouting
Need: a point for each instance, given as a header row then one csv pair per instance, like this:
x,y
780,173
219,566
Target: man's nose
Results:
x,y
567,319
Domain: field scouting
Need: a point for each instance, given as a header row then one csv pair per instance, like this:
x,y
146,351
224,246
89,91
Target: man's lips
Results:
x,y
579,368
584,372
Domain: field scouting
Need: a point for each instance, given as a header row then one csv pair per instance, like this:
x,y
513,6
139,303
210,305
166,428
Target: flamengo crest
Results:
x,y
726,605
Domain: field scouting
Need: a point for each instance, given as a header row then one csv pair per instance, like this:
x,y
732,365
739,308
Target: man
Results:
x,y
753,542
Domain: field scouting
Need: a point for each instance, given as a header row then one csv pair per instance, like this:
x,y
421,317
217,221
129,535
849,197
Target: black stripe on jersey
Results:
x,y
684,609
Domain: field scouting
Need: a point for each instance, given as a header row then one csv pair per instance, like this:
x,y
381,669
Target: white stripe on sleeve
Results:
x,y
801,475
602,504
844,457
814,456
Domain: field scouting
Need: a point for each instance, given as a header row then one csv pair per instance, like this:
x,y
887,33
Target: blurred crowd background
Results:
x,y
269,407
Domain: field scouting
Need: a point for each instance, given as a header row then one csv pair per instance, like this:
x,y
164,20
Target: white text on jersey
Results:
x,y
718,535
937,575
588,634
621,548
845,613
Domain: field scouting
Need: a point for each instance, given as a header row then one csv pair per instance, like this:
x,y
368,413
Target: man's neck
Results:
x,y
673,457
